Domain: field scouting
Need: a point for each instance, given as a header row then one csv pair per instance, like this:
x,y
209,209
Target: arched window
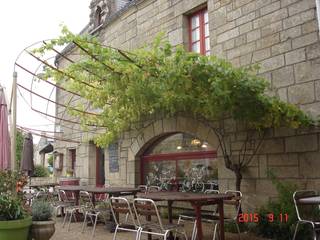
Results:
x,y
98,17
177,155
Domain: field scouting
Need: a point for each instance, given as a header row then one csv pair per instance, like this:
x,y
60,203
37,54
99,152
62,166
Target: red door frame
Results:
x,y
72,152
98,156
174,157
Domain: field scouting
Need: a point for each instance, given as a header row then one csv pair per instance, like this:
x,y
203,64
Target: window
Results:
x,y
176,156
199,32
98,17
318,12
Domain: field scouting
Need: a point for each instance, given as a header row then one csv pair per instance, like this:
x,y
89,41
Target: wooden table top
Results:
x,y
110,190
184,196
44,185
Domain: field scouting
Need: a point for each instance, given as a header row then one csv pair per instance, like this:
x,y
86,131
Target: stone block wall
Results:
x,y
280,35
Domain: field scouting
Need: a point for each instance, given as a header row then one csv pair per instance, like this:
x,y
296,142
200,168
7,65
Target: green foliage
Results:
x,y
10,207
11,182
50,160
231,227
283,205
19,146
128,87
40,171
41,211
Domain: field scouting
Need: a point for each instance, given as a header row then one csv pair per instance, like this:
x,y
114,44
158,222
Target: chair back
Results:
x,y
62,195
233,205
41,196
121,205
308,212
85,200
145,209
211,191
143,188
154,189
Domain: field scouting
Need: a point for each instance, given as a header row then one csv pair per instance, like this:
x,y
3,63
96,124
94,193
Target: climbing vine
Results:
x,y
128,87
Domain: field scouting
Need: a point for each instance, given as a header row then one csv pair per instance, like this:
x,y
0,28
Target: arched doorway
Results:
x,y
177,156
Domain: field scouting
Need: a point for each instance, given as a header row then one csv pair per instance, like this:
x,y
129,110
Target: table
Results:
x,y
112,191
38,185
309,200
196,200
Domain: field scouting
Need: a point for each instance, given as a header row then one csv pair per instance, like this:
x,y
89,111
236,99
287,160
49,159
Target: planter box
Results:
x,y
15,229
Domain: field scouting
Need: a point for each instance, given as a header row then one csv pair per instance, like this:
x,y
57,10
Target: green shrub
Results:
x,y
40,171
277,229
10,207
50,160
41,211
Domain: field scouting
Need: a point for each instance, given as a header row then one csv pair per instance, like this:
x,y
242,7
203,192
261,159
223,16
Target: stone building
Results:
x,y
281,35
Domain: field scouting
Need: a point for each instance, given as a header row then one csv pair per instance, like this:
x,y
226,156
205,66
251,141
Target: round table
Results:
x,y
196,200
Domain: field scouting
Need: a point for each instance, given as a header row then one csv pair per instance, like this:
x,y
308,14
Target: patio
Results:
x,y
103,234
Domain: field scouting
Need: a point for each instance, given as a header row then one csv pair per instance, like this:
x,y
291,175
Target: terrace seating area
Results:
x,y
133,211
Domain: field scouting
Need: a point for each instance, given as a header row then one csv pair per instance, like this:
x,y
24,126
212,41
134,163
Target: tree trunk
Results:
x,y
238,179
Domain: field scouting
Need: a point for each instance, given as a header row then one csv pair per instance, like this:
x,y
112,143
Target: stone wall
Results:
x,y
281,35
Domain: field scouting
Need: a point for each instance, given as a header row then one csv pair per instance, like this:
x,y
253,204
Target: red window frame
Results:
x,y
174,157
201,27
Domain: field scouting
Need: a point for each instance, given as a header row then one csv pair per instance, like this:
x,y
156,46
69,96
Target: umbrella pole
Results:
x,y
13,111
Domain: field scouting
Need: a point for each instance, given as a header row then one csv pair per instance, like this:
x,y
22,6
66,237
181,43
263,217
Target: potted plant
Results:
x,y
43,227
14,220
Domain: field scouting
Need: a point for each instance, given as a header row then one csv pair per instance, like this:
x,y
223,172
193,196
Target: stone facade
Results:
x,y
281,35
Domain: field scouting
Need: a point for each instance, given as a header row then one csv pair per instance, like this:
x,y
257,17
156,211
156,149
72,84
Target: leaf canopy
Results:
x,y
129,87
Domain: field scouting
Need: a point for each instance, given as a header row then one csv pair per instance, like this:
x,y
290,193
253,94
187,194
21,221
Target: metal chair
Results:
x,y
143,188
190,215
89,211
306,213
235,203
146,208
120,205
154,189
59,201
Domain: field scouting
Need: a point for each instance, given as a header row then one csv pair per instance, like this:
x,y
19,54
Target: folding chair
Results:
x,y
307,213
235,204
60,201
89,211
146,208
120,205
190,215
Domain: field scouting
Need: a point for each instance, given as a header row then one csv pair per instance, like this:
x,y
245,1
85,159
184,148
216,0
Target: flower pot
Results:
x,y
42,230
15,229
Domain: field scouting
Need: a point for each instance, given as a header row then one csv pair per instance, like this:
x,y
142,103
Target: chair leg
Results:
x,y
238,229
65,218
295,231
115,233
215,231
84,222
194,231
70,218
185,235
314,233
175,233
138,235
94,226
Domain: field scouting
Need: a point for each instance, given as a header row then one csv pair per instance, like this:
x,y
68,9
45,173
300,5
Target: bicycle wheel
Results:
x,y
198,187
186,186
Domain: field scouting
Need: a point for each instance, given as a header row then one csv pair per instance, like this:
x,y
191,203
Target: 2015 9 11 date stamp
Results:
x,y
255,217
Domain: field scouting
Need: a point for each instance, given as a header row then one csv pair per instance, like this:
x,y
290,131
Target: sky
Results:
x,y
24,22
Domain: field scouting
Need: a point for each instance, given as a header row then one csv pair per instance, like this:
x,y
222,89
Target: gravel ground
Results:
x,y
103,234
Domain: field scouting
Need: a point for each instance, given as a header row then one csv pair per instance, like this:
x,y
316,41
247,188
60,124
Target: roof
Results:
x,y
112,17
